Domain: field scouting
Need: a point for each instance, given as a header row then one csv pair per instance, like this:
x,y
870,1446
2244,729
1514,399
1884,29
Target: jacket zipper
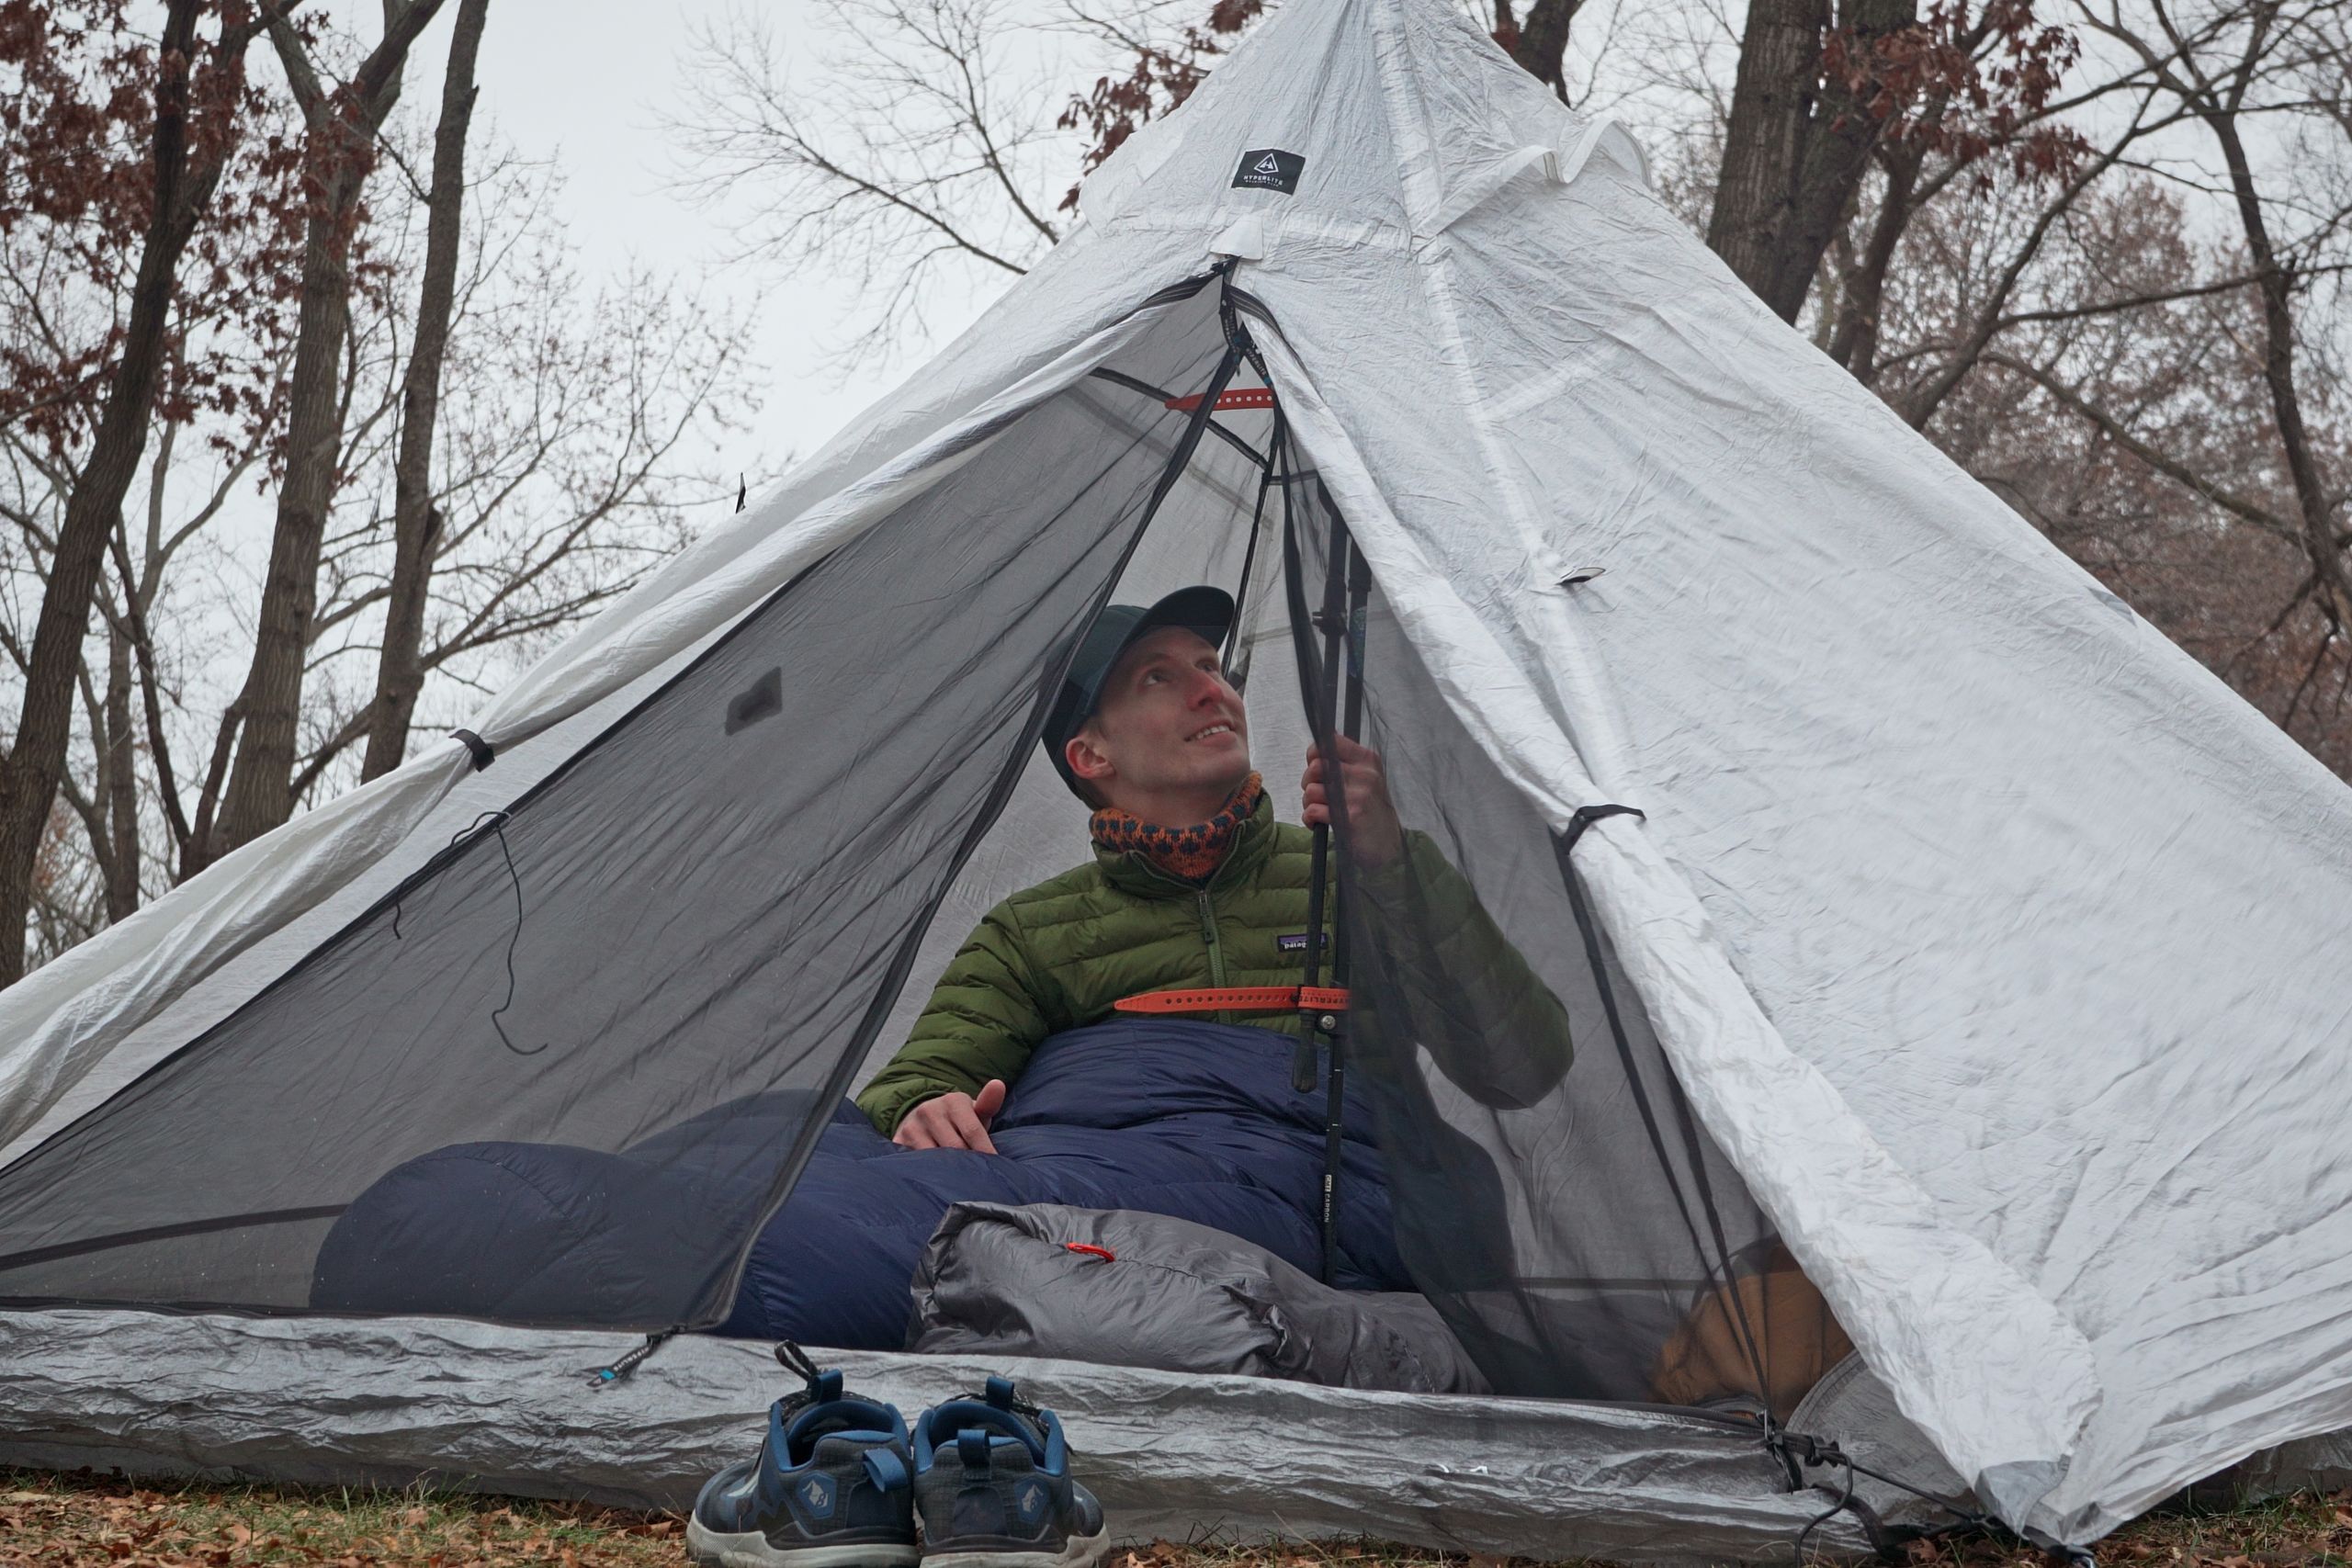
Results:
x,y
1216,950
1208,935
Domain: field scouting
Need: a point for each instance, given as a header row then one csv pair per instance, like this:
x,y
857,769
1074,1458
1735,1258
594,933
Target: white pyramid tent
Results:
x,y
1991,941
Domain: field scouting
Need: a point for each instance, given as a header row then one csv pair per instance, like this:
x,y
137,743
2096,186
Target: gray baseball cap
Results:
x,y
1208,611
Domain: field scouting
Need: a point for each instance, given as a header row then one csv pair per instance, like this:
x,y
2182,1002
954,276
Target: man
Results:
x,y
1195,884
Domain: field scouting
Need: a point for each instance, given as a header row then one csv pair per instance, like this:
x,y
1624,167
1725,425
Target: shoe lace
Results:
x,y
1001,1394
822,1385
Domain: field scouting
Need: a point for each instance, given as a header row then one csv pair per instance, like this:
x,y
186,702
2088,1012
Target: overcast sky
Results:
x,y
586,84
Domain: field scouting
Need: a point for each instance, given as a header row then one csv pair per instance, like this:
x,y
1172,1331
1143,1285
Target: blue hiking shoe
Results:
x,y
831,1487
993,1485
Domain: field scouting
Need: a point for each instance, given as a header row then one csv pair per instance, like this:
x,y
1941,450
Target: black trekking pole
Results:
x,y
1335,1024
1345,585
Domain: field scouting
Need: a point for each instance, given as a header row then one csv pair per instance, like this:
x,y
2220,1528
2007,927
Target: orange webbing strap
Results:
x,y
1237,998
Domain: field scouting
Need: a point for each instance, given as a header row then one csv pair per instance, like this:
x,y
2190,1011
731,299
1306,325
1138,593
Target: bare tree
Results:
x,y
2231,67
193,130
2260,96
925,148
557,476
563,464
2122,407
400,672
554,473
342,124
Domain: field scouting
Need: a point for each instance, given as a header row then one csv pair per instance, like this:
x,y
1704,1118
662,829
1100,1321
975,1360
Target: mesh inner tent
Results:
x,y
1553,1194
706,913
696,935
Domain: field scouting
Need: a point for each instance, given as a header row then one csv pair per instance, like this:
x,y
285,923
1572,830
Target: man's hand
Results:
x,y
953,1120
1373,832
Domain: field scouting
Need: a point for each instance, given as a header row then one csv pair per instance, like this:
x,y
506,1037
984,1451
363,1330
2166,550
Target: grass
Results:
x,y
81,1520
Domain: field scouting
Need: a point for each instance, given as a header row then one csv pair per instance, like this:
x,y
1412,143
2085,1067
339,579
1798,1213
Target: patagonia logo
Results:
x,y
1269,168
1296,943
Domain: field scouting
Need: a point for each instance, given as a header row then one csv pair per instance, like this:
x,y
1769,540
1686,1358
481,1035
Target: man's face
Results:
x,y
1167,723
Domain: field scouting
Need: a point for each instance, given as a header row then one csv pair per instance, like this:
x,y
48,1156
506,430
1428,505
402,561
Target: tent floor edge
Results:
x,y
503,1411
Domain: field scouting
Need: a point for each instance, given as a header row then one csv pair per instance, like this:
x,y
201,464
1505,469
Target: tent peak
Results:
x,y
1350,121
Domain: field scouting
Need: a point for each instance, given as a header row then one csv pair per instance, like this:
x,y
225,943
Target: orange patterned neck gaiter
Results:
x,y
1192,855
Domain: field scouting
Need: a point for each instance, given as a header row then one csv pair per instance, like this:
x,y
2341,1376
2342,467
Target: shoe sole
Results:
x,y
716,1549
1079,1551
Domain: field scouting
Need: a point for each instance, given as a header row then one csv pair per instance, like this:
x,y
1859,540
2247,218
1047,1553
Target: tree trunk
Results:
x,y
256,799
117,773
1854,343
1771,100
400,669
2279,373
1542,47
36,761
341,128
1797,144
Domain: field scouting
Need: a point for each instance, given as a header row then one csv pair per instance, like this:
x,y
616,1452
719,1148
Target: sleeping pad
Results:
x,y
1167,1116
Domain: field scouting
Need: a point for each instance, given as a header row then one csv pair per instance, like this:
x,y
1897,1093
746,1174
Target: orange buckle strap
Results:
x,y
1237,998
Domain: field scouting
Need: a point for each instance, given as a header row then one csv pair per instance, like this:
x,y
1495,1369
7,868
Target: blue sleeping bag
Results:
x,y
1166,1116
1169,1117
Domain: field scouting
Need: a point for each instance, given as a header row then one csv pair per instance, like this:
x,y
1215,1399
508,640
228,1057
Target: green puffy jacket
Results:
x,y
1057,955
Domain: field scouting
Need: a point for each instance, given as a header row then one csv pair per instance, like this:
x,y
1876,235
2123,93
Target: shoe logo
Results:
x,y
1031,1501
816,1494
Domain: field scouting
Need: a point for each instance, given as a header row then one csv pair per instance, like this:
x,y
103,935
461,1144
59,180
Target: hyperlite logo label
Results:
x,y
1269,168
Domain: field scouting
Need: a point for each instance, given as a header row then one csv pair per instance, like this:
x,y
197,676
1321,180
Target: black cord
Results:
x,y
1795,1451
497,822
1824,1517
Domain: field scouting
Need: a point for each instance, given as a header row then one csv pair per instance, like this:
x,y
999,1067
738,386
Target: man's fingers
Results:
x,y
964,1131
939,1122
989,1101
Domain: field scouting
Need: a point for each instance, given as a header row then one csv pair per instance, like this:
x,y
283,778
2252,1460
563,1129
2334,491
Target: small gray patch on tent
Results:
x,y
764,699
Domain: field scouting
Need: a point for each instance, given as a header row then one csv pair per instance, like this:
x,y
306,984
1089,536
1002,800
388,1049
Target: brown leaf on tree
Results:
x,y
1156,85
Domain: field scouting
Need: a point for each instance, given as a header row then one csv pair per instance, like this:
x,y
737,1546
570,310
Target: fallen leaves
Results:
x,y
85,1521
